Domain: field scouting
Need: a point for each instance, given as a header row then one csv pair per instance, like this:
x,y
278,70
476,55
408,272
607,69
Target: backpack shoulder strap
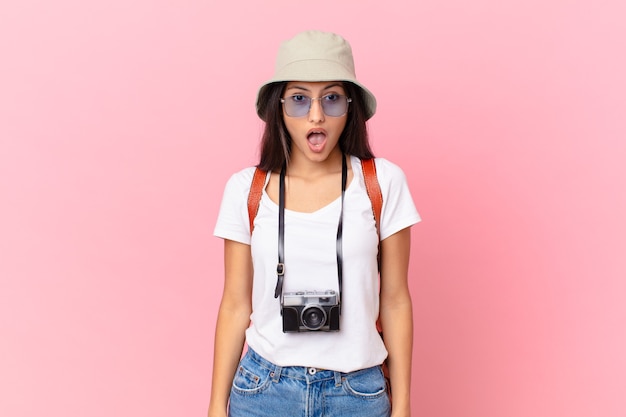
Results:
x,y
254,197
373,190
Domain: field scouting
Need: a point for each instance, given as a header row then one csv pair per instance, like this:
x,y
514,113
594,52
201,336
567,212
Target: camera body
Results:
x,y
305,311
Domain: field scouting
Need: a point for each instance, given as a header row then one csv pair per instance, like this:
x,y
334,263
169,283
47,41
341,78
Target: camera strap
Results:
x,y
280,268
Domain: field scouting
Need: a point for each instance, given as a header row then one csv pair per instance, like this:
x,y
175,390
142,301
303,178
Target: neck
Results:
x,y
300,166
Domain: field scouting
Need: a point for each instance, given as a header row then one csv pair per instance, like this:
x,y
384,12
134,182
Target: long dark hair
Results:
x,y
276,142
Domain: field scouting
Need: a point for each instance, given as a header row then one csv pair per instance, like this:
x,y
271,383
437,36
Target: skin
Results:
x,y
311,183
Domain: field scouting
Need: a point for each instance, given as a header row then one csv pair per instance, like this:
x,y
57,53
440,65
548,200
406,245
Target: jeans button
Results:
x,y
312,371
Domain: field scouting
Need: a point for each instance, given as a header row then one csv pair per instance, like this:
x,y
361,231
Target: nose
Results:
x,y
316,112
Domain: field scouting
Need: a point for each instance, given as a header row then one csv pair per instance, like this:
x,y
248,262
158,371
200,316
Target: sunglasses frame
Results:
x,y
348,101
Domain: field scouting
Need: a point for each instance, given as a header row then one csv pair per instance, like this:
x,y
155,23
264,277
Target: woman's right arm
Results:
x,y
232,321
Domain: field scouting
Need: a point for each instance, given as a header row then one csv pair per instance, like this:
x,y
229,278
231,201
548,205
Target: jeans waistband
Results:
x,y
297,372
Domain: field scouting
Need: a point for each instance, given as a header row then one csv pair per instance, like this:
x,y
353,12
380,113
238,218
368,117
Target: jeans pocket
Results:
x,y
250,378
366,383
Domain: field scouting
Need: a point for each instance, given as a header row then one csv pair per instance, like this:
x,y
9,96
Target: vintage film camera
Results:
x,y
305,311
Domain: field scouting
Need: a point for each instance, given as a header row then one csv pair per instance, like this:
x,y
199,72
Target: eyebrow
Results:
x,y
298,87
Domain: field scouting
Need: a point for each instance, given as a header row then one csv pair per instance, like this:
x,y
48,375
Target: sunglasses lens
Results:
x,y
334,105
297,106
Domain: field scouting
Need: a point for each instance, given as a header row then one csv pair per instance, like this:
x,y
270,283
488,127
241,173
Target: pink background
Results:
x,y
120,122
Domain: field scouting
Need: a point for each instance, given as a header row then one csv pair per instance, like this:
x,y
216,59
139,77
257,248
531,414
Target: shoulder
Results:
x,y
390,176
386,171
232,220
241,180
399,209
242,176
388,168
238,186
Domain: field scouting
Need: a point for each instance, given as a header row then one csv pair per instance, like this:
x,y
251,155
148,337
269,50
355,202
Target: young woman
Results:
x,y
301,288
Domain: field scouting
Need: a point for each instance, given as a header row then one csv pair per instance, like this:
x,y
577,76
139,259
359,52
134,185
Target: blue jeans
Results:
x,y
261,389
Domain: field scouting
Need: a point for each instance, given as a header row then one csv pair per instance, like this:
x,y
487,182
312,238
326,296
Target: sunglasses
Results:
x,y
333,105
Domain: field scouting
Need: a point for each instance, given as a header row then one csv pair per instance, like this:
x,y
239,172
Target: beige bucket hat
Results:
x,y
315,56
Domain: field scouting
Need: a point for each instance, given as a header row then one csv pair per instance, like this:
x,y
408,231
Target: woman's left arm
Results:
x,y
396,317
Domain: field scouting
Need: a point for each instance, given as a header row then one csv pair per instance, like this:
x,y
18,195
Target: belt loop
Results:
x,y
275,374
338,379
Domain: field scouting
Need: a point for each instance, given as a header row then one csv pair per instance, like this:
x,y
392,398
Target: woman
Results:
x,y
302,290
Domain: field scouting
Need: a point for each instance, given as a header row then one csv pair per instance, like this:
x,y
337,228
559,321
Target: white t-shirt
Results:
x,y
311,265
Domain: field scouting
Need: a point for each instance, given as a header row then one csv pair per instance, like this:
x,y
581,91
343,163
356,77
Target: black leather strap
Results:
x,y
344,179
280,268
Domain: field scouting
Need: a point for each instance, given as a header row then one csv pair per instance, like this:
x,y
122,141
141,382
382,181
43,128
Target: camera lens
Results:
x,y
313,317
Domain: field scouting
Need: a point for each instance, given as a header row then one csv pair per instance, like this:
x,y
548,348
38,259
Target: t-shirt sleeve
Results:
x,y
398,210
232,220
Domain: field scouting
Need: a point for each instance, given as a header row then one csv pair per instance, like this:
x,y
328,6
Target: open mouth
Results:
x,y
316,137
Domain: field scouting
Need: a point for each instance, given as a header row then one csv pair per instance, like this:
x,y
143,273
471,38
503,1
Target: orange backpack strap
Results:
x,y
256,192
373,190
